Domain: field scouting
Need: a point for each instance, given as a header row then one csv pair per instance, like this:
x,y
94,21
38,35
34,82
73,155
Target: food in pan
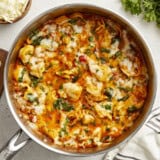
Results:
x,y
79,81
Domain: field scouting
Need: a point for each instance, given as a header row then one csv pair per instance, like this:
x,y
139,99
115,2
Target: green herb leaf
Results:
x,y
103,60
124,98
132,109
32,98
114,40
134,6
107,107
20,79
75,78
90,38
61,104
87,51
37,41
150,9
34,81
104,139
63,130
86,130
105,50
33,33
125,89
73,21
108,92
117,54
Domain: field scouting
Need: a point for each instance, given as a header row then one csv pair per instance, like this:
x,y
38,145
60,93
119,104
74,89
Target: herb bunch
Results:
x,y
150,9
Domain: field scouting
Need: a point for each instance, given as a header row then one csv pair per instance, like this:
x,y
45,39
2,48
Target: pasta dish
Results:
x,y
79,81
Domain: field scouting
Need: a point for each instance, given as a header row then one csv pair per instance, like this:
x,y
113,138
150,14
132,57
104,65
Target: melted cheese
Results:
x,y
75,86
37,66
102,110
77,29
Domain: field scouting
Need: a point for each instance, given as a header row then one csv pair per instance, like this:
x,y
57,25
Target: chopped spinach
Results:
x,y
37,41
61,104
63,130
103,60
20,79
32,98
34,80
33,33
106,50
104,139
108,92
91,38
125,89
132,109
75,78
114,40
73,21
107,107
124,98
87,51
86,130
117,54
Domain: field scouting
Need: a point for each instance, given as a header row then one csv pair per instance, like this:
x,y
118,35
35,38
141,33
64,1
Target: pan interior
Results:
x,y
84,9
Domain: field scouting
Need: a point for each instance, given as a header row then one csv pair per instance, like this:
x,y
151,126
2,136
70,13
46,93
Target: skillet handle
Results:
x,y
3,56
11,148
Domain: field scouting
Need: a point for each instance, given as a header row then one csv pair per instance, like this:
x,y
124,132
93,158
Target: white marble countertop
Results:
x,y
8,33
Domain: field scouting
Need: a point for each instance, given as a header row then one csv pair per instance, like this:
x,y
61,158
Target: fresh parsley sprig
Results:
x,y
149,8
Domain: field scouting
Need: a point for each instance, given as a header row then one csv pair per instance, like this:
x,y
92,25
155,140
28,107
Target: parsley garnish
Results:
x,y
150,9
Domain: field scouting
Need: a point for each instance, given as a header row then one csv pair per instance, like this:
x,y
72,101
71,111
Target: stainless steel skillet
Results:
x,y
9,150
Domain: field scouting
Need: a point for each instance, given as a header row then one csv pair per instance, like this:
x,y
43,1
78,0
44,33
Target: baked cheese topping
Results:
x,y
80,81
